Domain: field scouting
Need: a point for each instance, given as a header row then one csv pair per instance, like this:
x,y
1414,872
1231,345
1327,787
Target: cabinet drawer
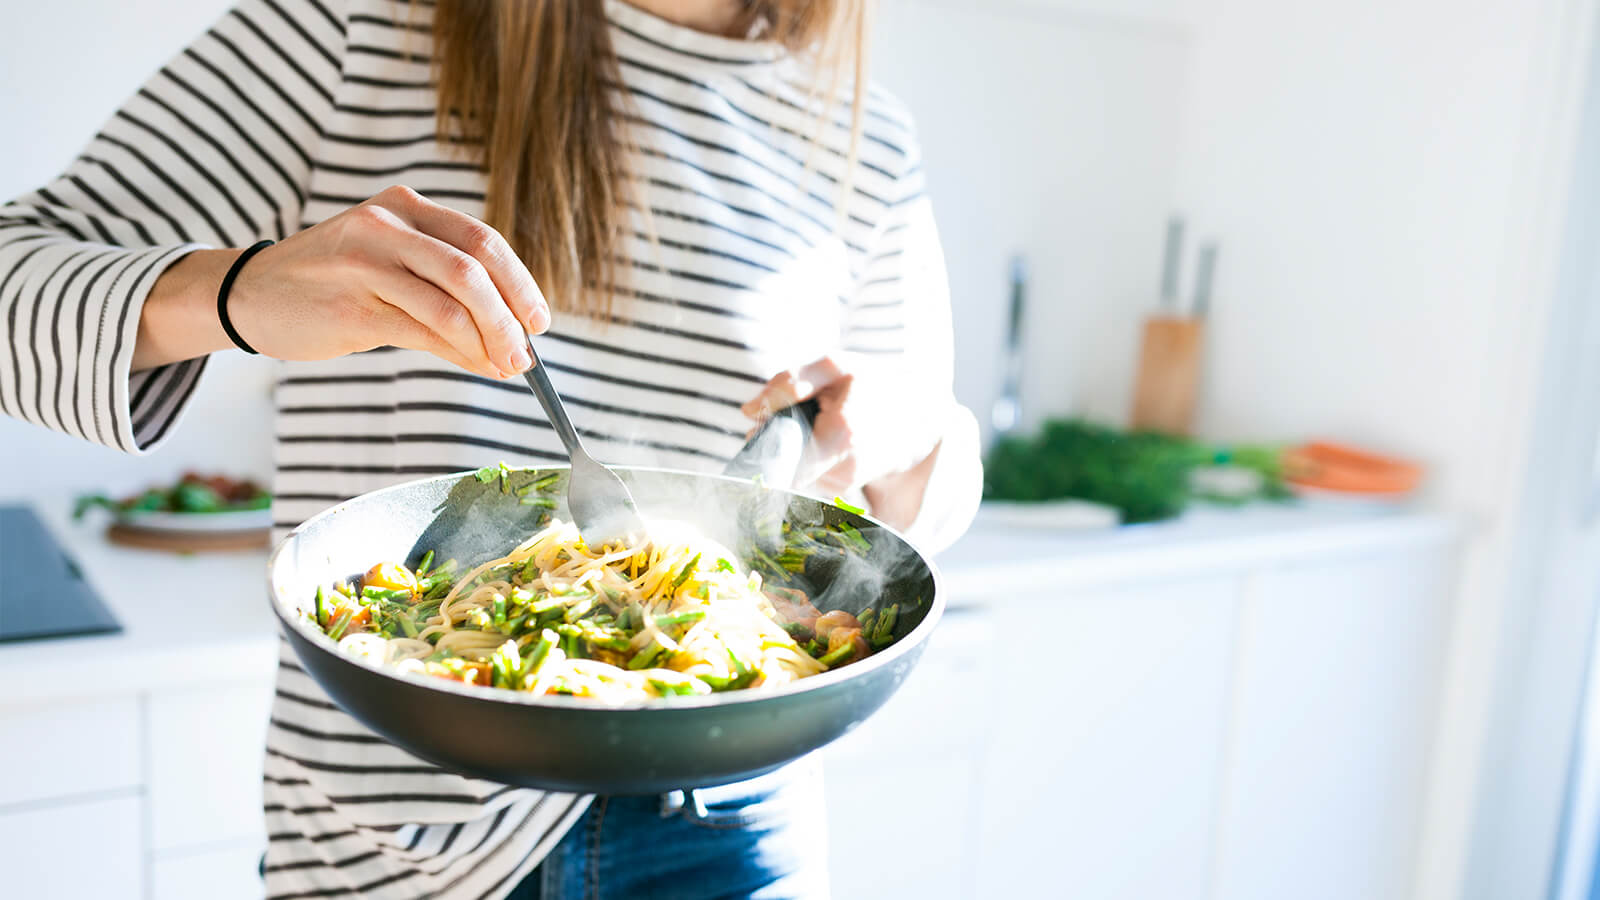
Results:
x,y
84,849
205,764
65,749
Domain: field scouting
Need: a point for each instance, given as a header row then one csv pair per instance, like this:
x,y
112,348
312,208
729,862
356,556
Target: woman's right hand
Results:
x,y
398,270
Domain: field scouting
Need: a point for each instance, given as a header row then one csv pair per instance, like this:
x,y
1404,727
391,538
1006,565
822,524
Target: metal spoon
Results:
x,y
600,503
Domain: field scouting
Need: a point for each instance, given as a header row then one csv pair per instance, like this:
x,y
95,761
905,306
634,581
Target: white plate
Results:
x,y
1050,515
232,520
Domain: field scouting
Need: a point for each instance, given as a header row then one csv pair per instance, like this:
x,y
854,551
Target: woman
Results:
x,y
711,234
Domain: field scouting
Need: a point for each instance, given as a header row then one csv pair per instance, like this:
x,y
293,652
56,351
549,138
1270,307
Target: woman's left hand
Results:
x,y
854,439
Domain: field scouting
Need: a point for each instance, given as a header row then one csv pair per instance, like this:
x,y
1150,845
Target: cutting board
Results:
x,y
1169,374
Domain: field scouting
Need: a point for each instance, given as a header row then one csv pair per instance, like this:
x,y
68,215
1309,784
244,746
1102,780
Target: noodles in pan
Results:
x,y
623,623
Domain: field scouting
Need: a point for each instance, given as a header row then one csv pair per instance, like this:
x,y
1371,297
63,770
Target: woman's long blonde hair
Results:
x,y
533,82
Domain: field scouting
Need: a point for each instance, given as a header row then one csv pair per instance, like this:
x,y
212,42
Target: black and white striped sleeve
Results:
x,y
897,336
214,150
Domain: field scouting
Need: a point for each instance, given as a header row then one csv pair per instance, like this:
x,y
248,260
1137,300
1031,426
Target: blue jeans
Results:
x,y
763,839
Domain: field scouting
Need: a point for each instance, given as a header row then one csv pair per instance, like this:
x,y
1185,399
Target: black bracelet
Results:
x,y
227,285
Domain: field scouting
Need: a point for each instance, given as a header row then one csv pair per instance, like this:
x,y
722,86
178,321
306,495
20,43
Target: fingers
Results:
x,y
485,245
479,308
405,331
788,388
446,321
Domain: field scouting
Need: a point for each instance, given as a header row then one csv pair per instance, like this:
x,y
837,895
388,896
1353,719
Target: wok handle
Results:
x,y
777,448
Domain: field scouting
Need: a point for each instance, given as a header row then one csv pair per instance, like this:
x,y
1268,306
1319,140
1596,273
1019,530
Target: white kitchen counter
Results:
x,y
191,619
994,560
186,620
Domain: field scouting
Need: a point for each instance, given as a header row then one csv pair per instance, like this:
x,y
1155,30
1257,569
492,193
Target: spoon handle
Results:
x,y
539,381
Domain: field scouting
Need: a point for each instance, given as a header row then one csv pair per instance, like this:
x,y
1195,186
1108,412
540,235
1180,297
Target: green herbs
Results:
x,y
1144,475
192,494
499,471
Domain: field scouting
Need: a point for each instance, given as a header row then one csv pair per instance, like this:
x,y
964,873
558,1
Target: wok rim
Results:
x,y
823,681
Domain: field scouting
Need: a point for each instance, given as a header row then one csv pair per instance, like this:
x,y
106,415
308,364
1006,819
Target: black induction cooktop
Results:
x,y
42,592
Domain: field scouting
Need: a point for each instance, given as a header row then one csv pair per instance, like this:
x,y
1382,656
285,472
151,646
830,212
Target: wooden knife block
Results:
x,y
1169,374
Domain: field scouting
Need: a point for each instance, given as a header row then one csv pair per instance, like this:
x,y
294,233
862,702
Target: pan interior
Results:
x,y
473,520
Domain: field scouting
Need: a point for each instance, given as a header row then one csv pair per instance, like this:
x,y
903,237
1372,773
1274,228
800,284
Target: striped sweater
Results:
x,y
740,266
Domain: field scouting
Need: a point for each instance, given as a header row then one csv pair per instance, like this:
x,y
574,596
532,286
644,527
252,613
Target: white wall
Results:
x,y
48,119
1049,131
1387,181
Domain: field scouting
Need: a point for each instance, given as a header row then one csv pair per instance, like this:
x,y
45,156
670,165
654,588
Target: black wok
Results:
x,y
570,743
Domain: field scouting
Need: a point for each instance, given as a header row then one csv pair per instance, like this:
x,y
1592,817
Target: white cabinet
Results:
x,y
205,763
1336,679
53,750
1099,778
908,776
85,850
1199,725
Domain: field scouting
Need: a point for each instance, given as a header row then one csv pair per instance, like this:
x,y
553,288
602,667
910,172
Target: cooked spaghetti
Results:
x,y
622,623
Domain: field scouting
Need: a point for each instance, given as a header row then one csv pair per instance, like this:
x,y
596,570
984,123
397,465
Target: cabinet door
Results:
x,y
1336,681
61,749
901,801
205,764
83,850
1099,779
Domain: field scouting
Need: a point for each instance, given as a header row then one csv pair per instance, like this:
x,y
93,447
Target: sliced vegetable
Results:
x,y
839,502
680,618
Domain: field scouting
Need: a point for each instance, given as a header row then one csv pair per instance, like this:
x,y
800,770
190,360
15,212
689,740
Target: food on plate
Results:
x,y
194,493
674,615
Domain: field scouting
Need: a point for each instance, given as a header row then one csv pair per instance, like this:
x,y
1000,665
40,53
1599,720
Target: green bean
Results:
x,y
322,608
505,666
422,567
645,657
688,687
377,593
680,618
498,614
541,484
687,572
883,634
835,656
336,631
577,610
853,537
866,617
594,636
543,502
406,624
744,673
541,651
548,604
